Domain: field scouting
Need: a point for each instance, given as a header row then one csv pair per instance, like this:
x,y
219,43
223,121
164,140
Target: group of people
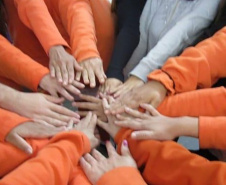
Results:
x,y
158,71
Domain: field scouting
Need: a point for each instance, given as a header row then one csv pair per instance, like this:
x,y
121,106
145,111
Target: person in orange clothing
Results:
x,y
57,161
167,162
77,22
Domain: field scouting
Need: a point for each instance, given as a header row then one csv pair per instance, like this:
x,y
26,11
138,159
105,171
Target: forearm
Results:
x,y
80,26
35,15
18,67
67,148
186,73
169,163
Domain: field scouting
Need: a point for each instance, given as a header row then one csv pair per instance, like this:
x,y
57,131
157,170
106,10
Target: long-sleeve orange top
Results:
x,y
168,163
200,67
75,16
9,120
18,67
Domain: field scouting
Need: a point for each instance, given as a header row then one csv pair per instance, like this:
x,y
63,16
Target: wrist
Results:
x,y
8,97
186,126
56,48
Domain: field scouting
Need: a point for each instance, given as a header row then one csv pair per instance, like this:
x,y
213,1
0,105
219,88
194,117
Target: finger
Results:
x,y
103,125
105,104
132,124
97,155
92,79
85,165
122,118
101,89
65,94
54,93
71,73
87,119
60,117
85,76
20,143
90,159
54,99
83,113
155,103
72,89
78,84
64,111
89,98
120,91
77,67
125,149
100,75
110,149
142,135
111,100
78,76
135,113
53,121
93,122
70,125
85,105
52,71
46,132
150,109
58,74
64,73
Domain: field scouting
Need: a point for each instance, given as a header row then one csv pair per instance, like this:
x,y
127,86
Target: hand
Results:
x,y
131,83
96,165
53,87
152,92
34,130
92,68
38,106
110,126
153,125
62,65
110,86
92,104
87,125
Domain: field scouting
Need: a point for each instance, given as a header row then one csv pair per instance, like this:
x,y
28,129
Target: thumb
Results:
x,y
125,149
150,109
20,143
54,99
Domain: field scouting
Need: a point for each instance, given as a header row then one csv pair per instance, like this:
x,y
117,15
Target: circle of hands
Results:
x,y
115,106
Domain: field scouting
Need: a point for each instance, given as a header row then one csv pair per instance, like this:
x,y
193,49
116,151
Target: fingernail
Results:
x,y
133,135
28,151
125,143
127,109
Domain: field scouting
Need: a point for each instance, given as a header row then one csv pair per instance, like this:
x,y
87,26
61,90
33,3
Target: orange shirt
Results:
x,y
18,67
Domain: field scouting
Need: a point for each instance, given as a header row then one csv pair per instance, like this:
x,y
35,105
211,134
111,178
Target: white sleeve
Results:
x,y
183,34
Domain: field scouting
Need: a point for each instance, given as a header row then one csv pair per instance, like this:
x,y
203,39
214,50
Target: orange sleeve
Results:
x,y
78,19
170,163
197,67
122,176
9,120
54,164
18,67
212,132
35,15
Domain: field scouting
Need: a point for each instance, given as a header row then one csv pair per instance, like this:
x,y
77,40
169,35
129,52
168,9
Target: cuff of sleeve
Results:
x,y
37,77
127,175
141,70
161,76
211,132
9,121
85,53
82,142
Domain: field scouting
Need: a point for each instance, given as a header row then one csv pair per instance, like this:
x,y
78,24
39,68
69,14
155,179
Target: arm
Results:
x,y
35,15
198,67
66,147
183,34
18,67
77,18
169,163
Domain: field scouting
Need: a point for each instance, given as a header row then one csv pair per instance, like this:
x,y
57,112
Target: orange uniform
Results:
x,y
85,27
